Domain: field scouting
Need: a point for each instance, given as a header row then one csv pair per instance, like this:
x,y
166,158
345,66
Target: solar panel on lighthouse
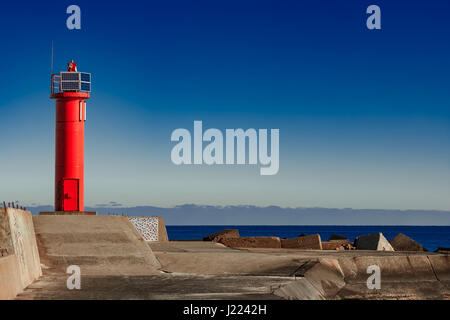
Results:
x,y
85,81
70,85
70,76
86,86
85,77
76,81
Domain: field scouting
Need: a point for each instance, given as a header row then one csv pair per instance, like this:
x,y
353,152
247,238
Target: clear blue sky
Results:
x,y
364,116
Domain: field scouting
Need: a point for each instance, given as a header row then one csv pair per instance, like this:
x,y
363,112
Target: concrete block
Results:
x,y
337,237
334,244
227,233
162,230
331,245
311,242
251,242
374,241
402,242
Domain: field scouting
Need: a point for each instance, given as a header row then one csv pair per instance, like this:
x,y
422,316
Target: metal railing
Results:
x,y
55,86
14,205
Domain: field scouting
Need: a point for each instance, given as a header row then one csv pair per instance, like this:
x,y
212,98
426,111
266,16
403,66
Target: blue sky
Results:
x,y
364,116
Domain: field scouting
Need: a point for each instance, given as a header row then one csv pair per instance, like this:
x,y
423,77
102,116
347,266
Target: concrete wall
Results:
x,y
401,277
5,234
21,266
10,281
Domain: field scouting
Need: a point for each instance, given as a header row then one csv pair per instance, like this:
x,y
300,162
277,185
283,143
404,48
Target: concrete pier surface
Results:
x,y
106,245
207,270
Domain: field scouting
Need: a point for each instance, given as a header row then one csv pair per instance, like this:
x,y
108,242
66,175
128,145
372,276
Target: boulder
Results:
x,y
311,242
251,242
374,241
337,237
402,242
227,233
337,245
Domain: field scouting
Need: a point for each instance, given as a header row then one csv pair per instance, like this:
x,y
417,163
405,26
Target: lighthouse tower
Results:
x,y
70,89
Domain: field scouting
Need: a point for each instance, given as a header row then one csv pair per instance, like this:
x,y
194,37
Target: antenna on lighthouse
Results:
x,y
52,60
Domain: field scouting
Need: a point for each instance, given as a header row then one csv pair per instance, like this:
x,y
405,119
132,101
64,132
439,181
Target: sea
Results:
x,y
431,237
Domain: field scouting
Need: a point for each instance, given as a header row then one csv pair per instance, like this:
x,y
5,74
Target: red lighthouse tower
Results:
x,y
70,89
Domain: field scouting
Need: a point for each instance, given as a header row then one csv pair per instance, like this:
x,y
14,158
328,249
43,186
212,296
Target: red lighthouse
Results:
x,y
70,89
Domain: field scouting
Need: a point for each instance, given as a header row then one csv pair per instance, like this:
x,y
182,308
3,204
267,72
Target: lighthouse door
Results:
x,y
70,194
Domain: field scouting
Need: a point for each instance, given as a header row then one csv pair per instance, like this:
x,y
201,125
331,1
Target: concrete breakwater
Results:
x,y
116,263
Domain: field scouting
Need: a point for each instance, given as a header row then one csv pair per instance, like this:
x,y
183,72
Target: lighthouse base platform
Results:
x,y
68,213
